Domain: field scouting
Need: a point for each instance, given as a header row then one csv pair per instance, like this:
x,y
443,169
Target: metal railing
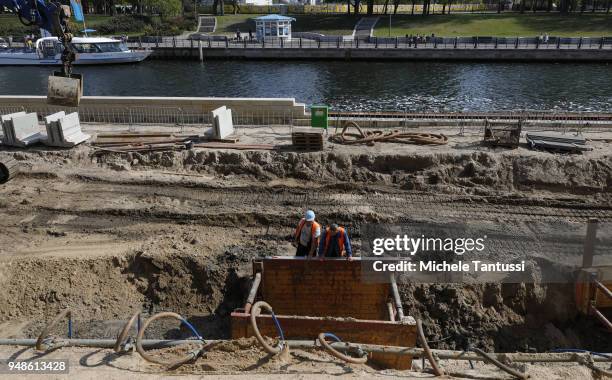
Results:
x,y
341,42
344,42
135,116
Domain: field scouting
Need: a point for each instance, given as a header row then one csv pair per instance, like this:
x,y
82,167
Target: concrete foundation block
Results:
x,y
21,129
223,125
64,130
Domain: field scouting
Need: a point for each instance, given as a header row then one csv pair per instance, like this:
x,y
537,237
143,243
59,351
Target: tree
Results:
x,y
221,5
396,4
165,8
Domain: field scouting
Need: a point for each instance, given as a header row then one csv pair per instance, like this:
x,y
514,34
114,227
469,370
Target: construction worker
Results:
x,y
335,243
307,235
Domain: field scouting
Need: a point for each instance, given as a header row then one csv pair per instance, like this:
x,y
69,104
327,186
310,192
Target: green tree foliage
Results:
x,y
164,7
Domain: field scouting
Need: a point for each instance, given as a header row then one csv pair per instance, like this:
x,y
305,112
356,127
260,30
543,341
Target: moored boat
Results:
x,y
90,51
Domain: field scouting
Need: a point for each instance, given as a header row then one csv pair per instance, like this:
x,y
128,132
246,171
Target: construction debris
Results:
x,y
307,139
223,126
64,130
395,136
9,168
212,145
20,129
501,133
557,142
142,142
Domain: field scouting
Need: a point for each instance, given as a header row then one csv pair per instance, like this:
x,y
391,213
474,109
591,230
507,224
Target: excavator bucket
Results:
x,y
65,91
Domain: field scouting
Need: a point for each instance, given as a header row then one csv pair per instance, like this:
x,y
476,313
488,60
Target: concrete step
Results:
x,y
207,24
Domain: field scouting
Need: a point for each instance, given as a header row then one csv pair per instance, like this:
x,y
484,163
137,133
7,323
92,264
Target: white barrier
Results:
x,y
64,130
223,125
20,129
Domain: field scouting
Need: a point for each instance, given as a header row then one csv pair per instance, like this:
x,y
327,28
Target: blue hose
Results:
x,y
193,330
582,351
278,328
332,336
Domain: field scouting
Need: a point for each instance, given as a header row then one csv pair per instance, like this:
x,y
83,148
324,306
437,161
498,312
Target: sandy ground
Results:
x,y
110,235
240,360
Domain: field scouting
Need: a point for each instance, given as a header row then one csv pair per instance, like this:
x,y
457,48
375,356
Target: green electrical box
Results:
x,y
318,116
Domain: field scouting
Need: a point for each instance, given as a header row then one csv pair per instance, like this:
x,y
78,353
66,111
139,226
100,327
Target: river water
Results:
x,y
409,86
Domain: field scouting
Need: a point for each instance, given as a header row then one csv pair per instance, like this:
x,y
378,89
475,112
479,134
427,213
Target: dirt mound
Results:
x,y
479,172
503,317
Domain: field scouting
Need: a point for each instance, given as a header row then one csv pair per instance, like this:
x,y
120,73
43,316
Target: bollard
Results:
x,y
201,51
589,243
376,42
300,42
396,41
496,42
226,42
173,41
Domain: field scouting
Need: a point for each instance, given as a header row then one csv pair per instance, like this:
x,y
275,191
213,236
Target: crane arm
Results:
x,y
39,13
53,16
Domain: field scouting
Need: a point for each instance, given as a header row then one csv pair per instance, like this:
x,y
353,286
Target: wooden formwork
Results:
x,y
588,293
311,296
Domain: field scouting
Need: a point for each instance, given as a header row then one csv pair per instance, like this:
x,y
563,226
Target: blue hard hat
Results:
x,y
309,216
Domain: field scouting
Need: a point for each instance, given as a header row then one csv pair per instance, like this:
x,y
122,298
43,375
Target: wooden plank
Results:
x,y
349,330
601,300
235,146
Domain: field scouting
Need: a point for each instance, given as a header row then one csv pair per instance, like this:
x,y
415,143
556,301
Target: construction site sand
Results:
x,y
242,359
107,236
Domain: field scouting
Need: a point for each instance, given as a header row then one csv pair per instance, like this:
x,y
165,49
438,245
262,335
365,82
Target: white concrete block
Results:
x,y
222,122
22,129
66,131
51,123
7,127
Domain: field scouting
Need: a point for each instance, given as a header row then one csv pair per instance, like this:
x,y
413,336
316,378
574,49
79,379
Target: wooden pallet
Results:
x,y
307,139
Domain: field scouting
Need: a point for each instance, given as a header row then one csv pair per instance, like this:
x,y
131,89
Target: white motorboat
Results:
x,y
90,51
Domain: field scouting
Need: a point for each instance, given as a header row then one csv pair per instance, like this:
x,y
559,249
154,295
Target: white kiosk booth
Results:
x,y
273,26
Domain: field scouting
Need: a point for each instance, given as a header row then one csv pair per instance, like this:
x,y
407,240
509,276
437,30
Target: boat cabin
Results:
x,y
50,46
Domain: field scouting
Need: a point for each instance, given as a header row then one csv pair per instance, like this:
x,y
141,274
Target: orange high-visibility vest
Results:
x,y
313,230
340,241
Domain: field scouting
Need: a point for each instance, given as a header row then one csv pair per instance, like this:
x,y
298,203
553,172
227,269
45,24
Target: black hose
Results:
x,y
434,364
500,365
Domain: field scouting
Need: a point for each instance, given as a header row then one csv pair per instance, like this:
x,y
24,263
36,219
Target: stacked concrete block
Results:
x,y
20,129
64,130
223,125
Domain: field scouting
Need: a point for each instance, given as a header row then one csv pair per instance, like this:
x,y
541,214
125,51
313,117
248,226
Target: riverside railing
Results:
x,y
348,42
344,42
